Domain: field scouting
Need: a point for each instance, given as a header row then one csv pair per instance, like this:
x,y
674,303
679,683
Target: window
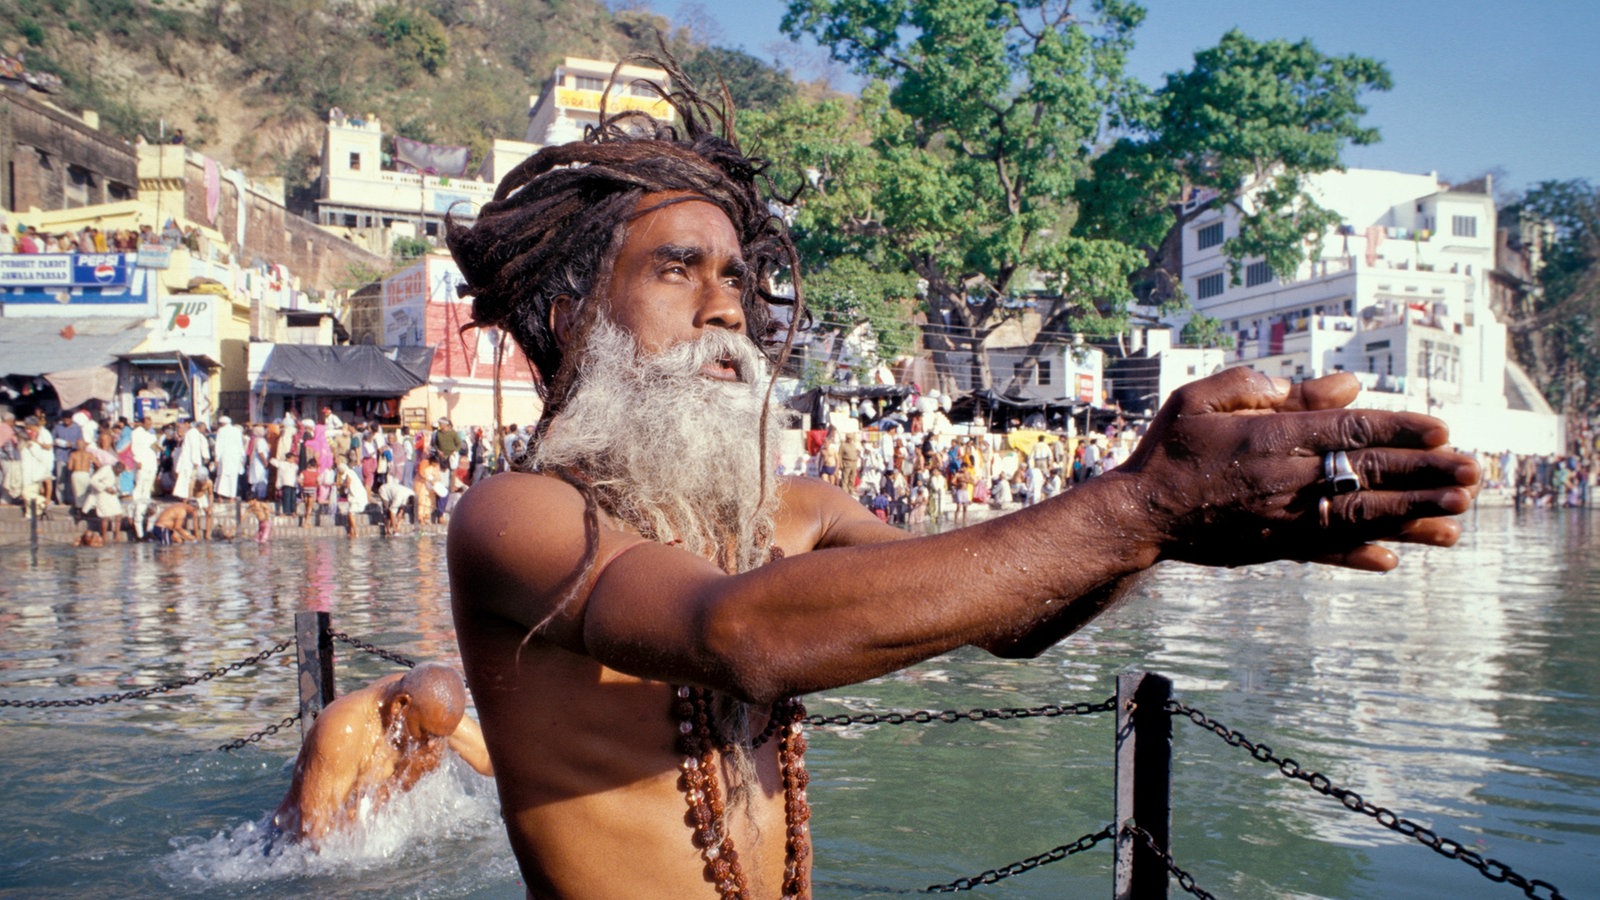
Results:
x,y
1257,273
1210,235
1209,285
588,83
355,162
1464,226
641,90
1044,372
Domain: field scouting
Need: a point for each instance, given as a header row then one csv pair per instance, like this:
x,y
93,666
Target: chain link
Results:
x,y
256,736
372,648
151,691
1055,854
923,716
1185,880
1492,869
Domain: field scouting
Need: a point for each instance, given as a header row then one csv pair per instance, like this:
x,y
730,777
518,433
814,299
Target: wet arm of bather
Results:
x,y
467,742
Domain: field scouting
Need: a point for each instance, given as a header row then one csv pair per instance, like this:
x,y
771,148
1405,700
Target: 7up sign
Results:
x,y
188,317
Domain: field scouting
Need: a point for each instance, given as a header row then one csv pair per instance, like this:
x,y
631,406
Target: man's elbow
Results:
x,y
740,661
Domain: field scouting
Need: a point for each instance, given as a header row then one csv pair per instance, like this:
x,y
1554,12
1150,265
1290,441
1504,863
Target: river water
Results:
x,y
1461,691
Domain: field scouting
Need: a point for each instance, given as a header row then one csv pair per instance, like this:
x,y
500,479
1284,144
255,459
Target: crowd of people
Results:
x,y
92,239
919,478
135,480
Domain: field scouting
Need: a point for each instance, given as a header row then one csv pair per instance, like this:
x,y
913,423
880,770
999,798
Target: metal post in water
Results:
x,y
314,646
1144,784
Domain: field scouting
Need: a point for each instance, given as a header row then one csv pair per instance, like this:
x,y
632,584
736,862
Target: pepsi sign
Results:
x,y
66,269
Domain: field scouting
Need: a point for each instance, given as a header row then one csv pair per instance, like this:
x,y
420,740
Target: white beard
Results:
x,y
670,451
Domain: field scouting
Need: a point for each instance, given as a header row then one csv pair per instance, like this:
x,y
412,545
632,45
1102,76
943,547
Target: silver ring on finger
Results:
x,y
1324,509
1340,476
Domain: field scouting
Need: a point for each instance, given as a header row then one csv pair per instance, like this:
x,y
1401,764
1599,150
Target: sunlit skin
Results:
x,y
577,719
371,743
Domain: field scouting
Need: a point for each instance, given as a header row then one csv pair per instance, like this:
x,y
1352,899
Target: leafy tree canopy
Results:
x,y
1556,333
1003,150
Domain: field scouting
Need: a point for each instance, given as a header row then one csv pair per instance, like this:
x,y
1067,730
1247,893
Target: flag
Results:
x,y
432,159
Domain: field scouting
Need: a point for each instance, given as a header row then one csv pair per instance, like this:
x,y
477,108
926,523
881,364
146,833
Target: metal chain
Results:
x,y
1054,854
1185,880
923,716
255,737
157,689
1492,869
373,649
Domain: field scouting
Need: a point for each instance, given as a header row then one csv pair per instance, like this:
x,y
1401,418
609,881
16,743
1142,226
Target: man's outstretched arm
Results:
x,y
1206,486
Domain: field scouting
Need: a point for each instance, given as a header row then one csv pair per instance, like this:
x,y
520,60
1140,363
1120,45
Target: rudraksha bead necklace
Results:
x,y
707,814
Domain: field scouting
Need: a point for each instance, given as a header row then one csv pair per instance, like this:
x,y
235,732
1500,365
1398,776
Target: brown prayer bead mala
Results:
x,y
691,707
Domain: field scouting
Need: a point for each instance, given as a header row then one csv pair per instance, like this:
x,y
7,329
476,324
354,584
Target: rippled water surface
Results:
x,y
1462,692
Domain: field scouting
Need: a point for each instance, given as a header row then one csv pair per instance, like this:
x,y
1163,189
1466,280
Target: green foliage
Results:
x,y
752,83
1251,117
851,290
405,248
989,158
1205,331
416,37
977,133
1556,334
32,32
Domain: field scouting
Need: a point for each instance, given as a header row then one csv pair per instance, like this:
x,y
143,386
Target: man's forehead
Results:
x,y
676,210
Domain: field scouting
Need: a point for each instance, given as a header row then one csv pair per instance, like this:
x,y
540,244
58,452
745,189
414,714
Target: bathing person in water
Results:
x,y
375,742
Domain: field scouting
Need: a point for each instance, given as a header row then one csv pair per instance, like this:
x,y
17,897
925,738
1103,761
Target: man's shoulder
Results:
x,y
514,504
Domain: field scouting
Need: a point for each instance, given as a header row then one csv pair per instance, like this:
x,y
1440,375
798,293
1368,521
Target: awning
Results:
x,y
357,370
171,358
40,346
75,387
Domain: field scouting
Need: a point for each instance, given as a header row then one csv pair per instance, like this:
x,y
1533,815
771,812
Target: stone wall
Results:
x,y
50,159
322,260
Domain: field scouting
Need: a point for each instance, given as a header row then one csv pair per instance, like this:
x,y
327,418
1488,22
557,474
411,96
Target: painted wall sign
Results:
x,y
66,269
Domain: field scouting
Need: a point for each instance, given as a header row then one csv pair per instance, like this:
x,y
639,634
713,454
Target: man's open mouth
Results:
x,y
723,368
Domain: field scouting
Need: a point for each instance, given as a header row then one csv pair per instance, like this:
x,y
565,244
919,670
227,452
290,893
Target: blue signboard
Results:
x,y
66,269
72,278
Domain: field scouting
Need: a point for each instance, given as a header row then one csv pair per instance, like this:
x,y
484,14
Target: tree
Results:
x,y
982,124
1553,328
752,83
990,177
1240,129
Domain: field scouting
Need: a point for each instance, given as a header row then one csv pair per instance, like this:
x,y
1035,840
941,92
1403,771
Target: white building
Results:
x,y
368,203
570,99
1399,295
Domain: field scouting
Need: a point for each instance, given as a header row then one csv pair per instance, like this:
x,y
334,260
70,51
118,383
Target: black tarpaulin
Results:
x,y
358,370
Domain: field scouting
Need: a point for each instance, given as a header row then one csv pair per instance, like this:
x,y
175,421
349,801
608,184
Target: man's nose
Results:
x,y
720,307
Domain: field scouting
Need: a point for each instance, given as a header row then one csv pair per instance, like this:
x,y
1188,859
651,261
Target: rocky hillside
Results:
x,y
251,81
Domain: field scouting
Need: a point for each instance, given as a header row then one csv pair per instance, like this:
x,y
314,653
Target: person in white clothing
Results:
x,y
192,458
230,456
349,480
146,450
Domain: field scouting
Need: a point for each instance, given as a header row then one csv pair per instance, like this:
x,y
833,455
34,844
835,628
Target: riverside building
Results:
x,y
1399,295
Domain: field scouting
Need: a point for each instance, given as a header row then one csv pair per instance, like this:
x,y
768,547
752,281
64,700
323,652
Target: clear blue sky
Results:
x,y
1478,86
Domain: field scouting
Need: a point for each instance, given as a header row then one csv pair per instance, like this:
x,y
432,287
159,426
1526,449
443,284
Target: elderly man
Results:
x,y
230,455
374,743
638,607
191,458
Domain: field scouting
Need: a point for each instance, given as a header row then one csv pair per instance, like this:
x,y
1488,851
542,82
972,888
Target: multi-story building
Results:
x,y
570,99
1399,295
366,202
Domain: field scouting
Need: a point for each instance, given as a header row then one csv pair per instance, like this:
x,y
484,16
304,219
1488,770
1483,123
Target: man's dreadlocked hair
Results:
x,y
556,220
